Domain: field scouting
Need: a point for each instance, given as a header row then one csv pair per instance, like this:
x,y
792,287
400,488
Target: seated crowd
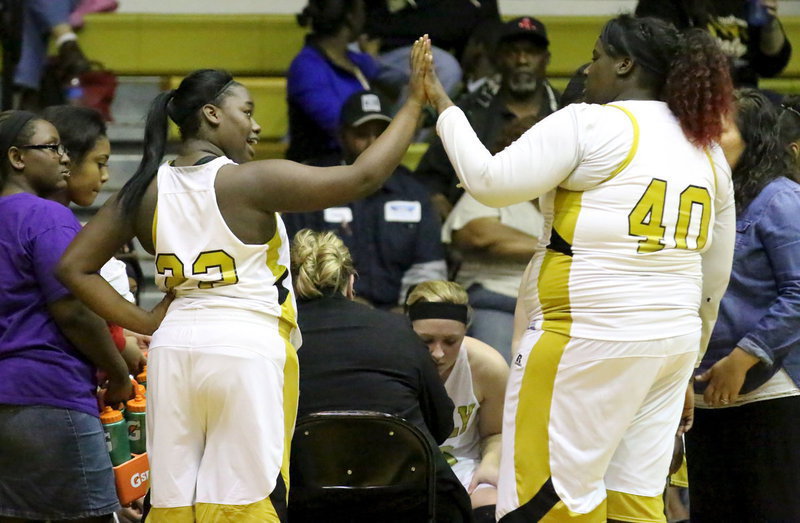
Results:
x,y
406,285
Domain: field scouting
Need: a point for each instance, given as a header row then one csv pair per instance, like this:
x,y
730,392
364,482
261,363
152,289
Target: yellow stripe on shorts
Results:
x,y
291,393
531,443
258,512
171,515
635,509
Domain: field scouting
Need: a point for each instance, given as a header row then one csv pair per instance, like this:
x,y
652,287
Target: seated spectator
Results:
x,y
477,64
495,245
449,23
355,357
43,20
323,75
394,234
54,464
521,57
749,32
475,376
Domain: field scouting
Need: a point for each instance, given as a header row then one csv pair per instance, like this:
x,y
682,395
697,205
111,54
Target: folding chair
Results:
x,y
359,466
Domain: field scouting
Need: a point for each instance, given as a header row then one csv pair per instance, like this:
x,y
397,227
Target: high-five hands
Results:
x,y
420,58
425,84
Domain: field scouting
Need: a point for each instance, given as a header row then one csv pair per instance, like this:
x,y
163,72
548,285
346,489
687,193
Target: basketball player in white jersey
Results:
x,y
474,375
222,380
623,293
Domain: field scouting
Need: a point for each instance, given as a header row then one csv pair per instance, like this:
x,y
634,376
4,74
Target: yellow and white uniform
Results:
x,y
463,448
622,293
222,374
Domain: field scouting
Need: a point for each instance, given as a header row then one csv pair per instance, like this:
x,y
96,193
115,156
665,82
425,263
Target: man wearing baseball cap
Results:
x,y
393,234
521,56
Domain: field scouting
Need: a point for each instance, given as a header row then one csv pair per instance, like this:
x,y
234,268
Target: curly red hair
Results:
x,y
698,88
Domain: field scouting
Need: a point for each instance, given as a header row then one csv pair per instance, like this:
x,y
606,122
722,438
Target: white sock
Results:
x,y
66,37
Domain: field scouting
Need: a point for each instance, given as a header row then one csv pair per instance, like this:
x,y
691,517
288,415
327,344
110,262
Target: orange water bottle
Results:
x,y
116,435
135,416
142,377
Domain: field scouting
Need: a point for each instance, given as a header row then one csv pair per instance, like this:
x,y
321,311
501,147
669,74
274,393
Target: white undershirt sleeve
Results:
x,y
536,163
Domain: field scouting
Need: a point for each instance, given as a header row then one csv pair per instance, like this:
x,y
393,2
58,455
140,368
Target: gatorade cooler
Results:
x,y
132,479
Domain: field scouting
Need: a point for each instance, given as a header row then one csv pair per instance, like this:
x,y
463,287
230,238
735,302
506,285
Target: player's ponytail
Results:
x,y
182,106
698,88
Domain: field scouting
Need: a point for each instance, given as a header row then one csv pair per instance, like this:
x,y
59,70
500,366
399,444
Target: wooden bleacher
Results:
x,y
264,45
258,50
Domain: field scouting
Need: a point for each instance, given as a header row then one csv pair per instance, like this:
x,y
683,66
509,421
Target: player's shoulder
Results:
x,y
483,357
584,117
588,110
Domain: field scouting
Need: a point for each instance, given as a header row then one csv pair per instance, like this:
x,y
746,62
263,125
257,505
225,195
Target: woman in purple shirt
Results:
x,y
53,459
324,74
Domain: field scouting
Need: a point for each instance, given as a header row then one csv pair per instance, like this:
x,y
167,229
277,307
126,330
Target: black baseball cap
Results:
x,y
363,107
522,27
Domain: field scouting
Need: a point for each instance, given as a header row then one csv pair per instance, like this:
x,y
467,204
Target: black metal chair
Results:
x,y
359,466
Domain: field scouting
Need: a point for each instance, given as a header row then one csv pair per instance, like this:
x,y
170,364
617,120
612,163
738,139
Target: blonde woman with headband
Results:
x,y
474,375
357,357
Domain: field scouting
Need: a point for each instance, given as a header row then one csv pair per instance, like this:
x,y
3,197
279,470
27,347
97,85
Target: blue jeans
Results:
x,y
492,318
38,19
54,464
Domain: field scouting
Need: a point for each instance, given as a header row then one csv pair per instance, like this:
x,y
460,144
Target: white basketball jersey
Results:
x,y
199,257
464,441
625,230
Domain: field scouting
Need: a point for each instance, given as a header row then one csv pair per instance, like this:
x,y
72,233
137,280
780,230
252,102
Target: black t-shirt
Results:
x,y
726,20
449,23
355,357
